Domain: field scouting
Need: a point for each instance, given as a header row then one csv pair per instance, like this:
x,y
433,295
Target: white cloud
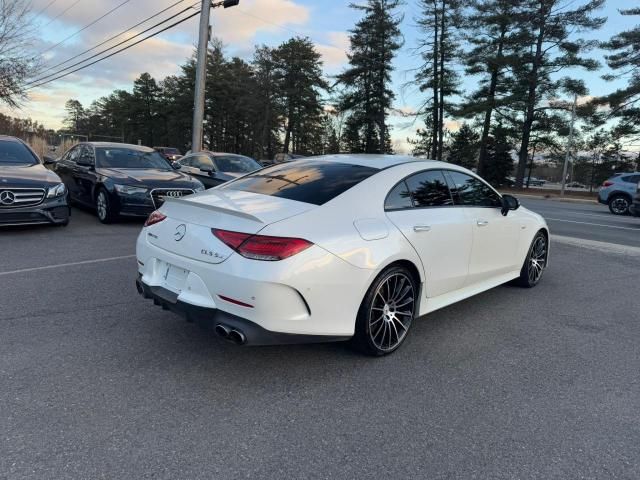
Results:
x,y
160,56
334,52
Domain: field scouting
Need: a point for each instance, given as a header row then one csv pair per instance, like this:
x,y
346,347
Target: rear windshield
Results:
x,y
310,181
15,153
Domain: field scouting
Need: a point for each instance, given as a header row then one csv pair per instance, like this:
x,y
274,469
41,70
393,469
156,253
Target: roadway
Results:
x,y
588,221
96,382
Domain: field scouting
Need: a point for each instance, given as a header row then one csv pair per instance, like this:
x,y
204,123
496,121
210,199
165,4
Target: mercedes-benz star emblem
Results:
x,y
7,198
181,230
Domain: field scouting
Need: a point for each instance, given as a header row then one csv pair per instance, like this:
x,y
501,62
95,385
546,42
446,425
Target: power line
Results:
x,y
44,9
61,13
85,27
116,52
113,37
38,80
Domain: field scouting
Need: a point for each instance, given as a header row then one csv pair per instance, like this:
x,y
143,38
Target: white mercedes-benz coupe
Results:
x,y
335,248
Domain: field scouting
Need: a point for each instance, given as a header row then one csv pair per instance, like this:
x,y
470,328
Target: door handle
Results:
x,y
482,223
421,228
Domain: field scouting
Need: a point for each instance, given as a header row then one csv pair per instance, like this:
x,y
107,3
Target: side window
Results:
x,y
429,189
186,161
205,161
87,153
632,179
468,190
398,198
74,154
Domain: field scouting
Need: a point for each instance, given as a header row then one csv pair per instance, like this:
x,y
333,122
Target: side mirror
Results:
x,y
47,160
207,169
509,202
85,162
176,166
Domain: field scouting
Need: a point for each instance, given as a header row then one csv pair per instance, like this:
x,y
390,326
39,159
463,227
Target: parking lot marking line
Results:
x,y
593,224
71,264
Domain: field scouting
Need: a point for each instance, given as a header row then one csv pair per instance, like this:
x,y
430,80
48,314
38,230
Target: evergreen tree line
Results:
x,y
523,54
258,108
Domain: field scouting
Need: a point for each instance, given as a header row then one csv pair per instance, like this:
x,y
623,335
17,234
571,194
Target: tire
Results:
x,y
535,262
387,312
619,204
104,210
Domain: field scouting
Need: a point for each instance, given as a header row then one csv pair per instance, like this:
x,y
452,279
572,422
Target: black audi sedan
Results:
x,y
30,194
120,179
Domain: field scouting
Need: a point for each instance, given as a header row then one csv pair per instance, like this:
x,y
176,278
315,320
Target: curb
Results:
x,y
558,199
604,247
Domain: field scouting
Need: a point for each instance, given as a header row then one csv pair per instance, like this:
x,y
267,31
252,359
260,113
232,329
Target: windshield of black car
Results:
x,y
15,153
310,181
235,164
118,157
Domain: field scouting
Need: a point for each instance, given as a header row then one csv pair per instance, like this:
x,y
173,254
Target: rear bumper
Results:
x,y
312,294
213,317
52,211
602,198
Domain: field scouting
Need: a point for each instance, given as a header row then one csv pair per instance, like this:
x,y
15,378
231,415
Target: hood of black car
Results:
x,y
147,177
35,176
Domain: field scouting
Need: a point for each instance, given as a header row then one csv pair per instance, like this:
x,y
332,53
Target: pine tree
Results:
x,y
439,24
499,160
547,48
494,29
625,59
300,82
144,107
268,109
374,42
76,116
464,147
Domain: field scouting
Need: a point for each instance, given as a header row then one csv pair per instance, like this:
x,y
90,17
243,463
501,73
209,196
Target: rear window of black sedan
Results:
x,y
309,181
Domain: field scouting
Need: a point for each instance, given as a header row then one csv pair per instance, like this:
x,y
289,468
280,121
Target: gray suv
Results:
x,y
618,192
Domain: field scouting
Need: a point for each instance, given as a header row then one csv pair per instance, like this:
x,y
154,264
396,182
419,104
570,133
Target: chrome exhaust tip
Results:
x,y
237,337
222,331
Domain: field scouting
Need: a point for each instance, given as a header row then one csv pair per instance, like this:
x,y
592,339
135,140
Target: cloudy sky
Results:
x,y
269,22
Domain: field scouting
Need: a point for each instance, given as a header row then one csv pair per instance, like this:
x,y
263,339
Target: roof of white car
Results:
x,y
371,159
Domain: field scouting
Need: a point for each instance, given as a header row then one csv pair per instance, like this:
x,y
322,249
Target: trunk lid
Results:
x,y
187,229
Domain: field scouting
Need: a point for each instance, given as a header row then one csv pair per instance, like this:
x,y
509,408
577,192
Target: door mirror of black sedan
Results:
x,y
85,162
208,169
176,166
509,202
47,160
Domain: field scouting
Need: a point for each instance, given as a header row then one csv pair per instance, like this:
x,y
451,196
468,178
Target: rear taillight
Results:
x,y
154,218
262,247
607,183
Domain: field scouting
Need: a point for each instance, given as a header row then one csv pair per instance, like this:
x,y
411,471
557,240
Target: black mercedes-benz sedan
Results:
x,y
120,179
30,194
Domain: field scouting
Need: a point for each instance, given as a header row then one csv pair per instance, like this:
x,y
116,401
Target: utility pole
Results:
x,y
201,69
569,144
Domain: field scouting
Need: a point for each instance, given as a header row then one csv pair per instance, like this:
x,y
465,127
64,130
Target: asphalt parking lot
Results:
x,y
96,382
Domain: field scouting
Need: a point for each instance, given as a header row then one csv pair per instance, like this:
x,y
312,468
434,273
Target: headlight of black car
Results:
x,y
56,191
130,190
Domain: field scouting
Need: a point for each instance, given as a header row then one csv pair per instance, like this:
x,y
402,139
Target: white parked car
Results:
x,y
336,247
